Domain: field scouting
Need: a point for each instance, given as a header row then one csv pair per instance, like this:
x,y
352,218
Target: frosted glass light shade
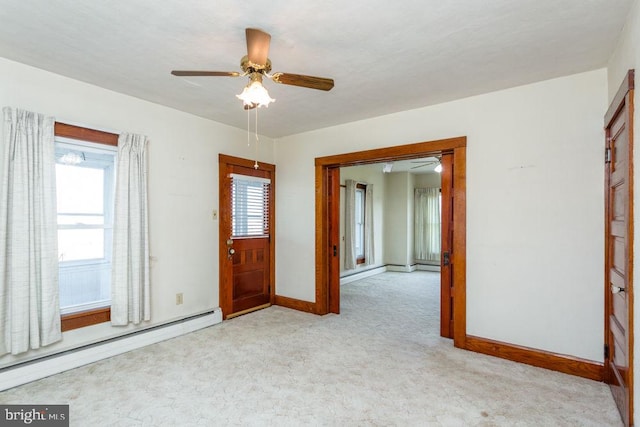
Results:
x,y
255,94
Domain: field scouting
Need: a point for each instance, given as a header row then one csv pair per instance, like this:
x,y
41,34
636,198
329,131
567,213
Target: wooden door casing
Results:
x,y
247,277
619,249
447,255
333,184
327,297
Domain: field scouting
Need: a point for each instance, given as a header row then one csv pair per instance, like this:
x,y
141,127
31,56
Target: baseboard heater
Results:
x,y
362,274
409,268
46,366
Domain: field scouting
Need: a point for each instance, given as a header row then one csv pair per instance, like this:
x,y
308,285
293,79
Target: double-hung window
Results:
x,y
85,188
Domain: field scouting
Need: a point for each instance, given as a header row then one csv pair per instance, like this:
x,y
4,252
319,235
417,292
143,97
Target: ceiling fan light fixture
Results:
x,y
254,94
72,158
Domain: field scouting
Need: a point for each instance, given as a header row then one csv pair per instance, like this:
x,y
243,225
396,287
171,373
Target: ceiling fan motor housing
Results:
x,y
249,67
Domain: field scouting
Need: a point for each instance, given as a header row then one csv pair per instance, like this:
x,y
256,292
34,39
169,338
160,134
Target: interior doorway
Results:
x,y
392,217
328,235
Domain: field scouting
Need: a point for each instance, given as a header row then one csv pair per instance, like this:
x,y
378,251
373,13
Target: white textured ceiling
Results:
x,y
384,56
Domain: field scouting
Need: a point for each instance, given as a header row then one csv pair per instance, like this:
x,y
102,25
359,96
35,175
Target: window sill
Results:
x,y
85,318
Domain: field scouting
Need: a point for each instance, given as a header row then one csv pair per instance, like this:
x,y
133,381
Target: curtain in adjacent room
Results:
x,y
29,307
427,224
130,299
350,225
369,256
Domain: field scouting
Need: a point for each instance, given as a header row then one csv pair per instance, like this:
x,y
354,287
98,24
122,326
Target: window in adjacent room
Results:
x,y
360,195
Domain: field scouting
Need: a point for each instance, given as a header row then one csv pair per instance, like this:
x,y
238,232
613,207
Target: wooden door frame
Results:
x,y
327,297
446,228
225,296
622,99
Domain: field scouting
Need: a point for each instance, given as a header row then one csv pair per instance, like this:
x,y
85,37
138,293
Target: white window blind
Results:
x,y
250,206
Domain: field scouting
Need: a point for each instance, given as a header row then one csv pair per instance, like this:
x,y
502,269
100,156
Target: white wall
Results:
x,y
428,180
535,206
183,185
370,174
625,57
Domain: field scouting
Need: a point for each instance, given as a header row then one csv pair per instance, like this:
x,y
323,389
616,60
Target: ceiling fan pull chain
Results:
x,y
248,130
256,166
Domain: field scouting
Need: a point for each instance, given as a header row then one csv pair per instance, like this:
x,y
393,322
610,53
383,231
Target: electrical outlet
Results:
x,y
179,299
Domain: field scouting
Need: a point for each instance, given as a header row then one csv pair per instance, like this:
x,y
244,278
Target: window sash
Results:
x,y
102,158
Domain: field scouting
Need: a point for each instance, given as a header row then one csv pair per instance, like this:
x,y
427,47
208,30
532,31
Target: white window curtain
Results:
x,y
350,225
130,298
369,256
29,307
427,224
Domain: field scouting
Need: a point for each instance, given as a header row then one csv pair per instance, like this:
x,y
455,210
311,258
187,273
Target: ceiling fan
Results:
x,y
423,163
257,65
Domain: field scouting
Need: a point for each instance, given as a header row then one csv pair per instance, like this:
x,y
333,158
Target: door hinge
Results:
x,y
606,351
607,155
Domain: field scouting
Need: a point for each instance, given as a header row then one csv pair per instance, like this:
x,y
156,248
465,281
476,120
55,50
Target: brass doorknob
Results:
x,y
616,289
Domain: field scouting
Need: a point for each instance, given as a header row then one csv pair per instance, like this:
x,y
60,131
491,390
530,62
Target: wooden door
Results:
x,y
333,184
246,235
619,250
446,257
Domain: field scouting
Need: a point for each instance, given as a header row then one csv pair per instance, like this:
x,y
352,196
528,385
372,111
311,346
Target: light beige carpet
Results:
x,y
380,363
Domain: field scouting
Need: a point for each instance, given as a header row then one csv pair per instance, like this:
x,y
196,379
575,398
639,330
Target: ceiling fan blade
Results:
x,y
257,46
421,166
188,73
312,82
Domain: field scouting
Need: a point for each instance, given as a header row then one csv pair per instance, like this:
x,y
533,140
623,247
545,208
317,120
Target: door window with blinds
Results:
x,y
250,206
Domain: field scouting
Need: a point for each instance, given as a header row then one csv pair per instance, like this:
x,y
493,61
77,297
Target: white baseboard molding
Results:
x,y
401,268
362,274
50,365
427,267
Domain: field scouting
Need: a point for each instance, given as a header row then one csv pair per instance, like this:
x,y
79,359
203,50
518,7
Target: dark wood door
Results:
x,y
246,235
333,237
251,285
619,250
446,257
